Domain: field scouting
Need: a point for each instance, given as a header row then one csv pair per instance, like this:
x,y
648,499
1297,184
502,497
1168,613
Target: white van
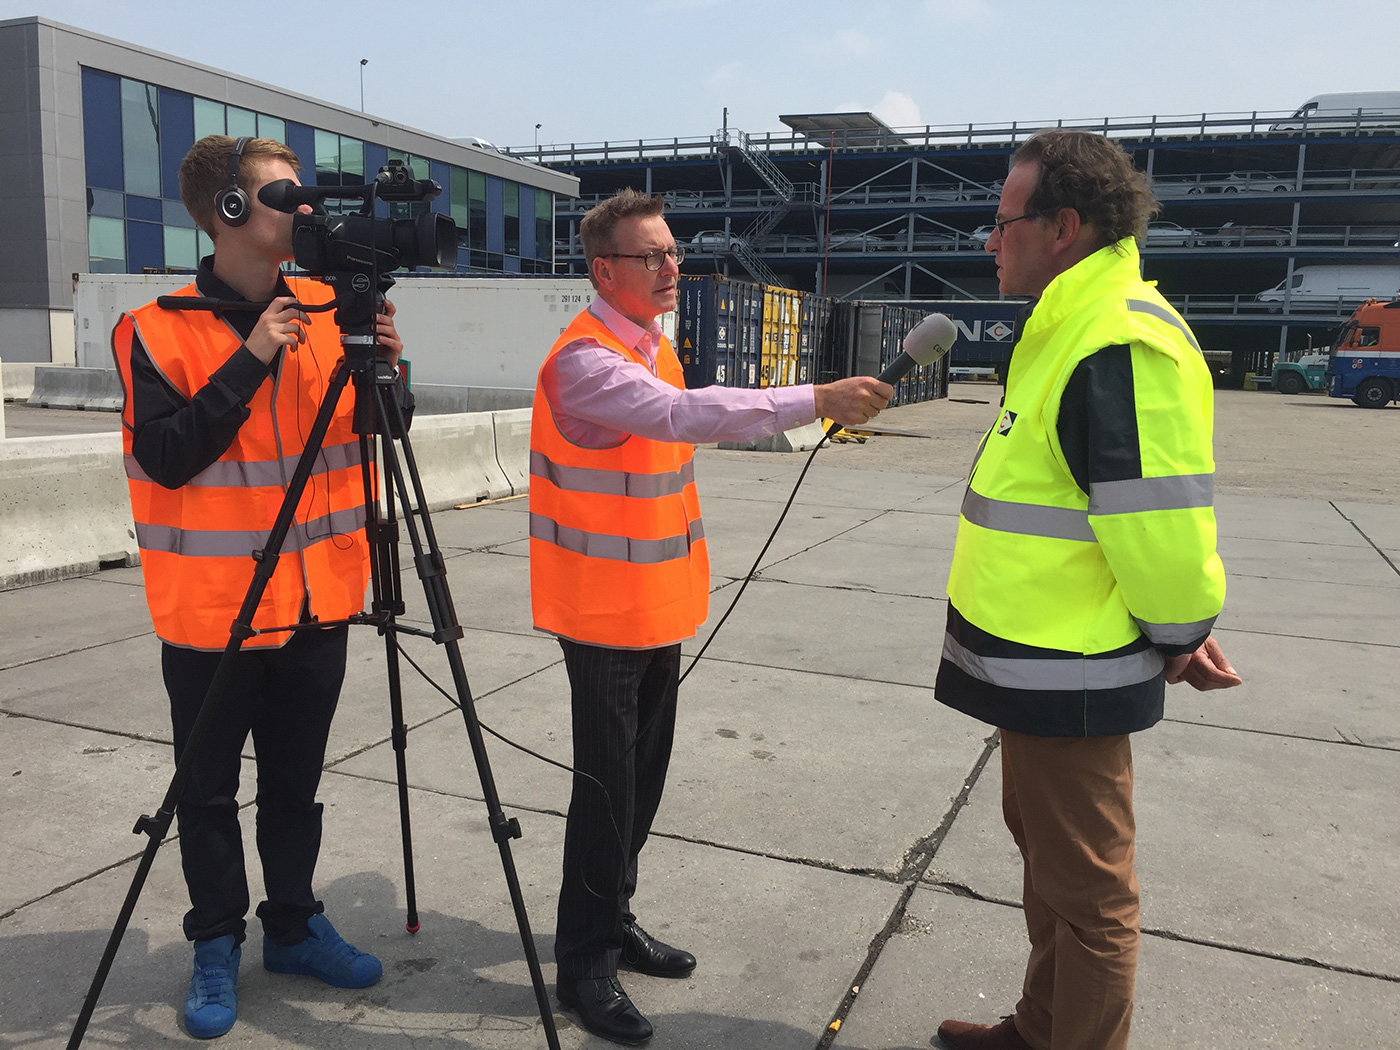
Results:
x,y
1323,283
1344,109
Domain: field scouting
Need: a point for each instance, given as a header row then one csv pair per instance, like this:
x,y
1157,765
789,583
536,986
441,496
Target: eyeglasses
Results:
x,y
653,260
1001,226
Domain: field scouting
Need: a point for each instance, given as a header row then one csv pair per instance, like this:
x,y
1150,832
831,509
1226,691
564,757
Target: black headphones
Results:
x,y
232,203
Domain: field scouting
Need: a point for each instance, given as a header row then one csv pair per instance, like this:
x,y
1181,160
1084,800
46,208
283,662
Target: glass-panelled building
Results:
x,y
105,125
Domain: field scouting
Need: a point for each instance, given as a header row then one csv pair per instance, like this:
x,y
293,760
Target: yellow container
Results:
x,y
782,335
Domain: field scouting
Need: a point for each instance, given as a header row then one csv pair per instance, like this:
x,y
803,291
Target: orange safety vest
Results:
x,y
197,541
617,547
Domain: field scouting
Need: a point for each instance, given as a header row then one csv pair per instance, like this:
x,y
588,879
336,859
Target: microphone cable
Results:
x,y
647,726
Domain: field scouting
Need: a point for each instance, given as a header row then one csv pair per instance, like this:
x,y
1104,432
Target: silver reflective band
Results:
x,y
1074,673
610,482
1178,492
1162,314
1175,633
1027,519
265,473
614,548
241,543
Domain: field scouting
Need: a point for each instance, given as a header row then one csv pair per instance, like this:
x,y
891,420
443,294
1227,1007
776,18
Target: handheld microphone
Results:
x,y
285,195
926,342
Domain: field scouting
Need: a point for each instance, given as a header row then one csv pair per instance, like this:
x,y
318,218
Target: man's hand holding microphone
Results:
x,y
851,402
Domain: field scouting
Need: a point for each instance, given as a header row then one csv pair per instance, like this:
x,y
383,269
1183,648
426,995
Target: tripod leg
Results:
x,y
382,532
446,631
264,565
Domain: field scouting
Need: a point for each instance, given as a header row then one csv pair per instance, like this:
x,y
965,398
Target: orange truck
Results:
x,y
1365,364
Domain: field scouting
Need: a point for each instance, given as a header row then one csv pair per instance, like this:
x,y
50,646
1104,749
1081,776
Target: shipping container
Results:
x,y
782,332
816,334
986,330
865,337
719,331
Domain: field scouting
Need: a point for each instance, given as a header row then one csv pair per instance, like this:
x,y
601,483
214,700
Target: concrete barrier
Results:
x,y
88,388
438,400
513,447
64,508
799,439
456,457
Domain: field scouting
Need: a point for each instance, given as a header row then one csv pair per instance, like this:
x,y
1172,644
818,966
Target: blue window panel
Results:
x,y
495,216
512,264
145,246
376,156
302,140
102,129
144,208
441,174
106,202
527,222
173,214
176,138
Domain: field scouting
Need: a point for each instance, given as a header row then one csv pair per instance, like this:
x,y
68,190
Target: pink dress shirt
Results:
x,y
599,397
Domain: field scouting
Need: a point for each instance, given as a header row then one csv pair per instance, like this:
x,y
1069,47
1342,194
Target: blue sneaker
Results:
x,y
212,1005
325,956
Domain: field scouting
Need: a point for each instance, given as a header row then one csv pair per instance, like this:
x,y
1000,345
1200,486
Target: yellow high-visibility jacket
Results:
x,y
1086,543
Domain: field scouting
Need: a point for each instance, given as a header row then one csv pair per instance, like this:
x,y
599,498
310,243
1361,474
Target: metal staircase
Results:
x,y
766,220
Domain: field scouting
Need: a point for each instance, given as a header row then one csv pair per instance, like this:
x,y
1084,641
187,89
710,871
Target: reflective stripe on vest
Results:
x,y
211,543
1140,306
1027,519
1175,633
266,473
1180,492
1046,674
611,482
616,548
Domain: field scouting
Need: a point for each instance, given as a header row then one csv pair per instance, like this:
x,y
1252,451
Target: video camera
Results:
x,y
362,242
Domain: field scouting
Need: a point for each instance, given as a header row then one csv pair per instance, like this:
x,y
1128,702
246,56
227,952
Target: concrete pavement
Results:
x,y
827,823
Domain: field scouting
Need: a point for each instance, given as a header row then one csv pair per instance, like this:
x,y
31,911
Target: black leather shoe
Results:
x,y
644,954
603,1008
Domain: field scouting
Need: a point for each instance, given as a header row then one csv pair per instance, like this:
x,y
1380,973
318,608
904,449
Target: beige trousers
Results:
x,y
1069,804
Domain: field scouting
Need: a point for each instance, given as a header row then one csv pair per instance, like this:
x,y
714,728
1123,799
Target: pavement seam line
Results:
x,y
917,862
958,889
1362,533
71,652
1285,736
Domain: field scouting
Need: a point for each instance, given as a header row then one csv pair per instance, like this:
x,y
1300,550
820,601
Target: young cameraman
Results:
x,y
218,406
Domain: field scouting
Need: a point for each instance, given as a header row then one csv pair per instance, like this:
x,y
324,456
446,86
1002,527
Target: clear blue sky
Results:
x,y
589,70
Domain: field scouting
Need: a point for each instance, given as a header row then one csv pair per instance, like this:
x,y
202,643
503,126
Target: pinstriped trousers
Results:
x,y
616,694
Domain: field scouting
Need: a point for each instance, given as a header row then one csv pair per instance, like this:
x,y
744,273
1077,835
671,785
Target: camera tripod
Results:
x,y
377,417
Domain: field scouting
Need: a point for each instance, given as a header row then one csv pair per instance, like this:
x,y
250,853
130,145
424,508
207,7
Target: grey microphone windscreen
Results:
x,y
930,339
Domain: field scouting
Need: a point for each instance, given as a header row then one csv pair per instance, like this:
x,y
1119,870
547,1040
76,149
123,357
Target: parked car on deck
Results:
x,y
1163,234
710,242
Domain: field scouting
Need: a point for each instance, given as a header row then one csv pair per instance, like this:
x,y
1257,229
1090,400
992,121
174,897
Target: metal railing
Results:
x,y
1206,185
1281,124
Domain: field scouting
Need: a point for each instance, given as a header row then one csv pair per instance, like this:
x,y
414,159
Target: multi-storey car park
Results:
x,y
843,205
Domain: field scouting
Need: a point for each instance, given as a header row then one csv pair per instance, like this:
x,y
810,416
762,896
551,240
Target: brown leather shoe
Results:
x,y
964,1035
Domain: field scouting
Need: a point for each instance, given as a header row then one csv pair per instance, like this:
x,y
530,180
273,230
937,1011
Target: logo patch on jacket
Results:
x,y
1004,426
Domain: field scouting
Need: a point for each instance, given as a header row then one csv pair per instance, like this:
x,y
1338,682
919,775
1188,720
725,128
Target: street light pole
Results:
x,y
537,137
363,63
